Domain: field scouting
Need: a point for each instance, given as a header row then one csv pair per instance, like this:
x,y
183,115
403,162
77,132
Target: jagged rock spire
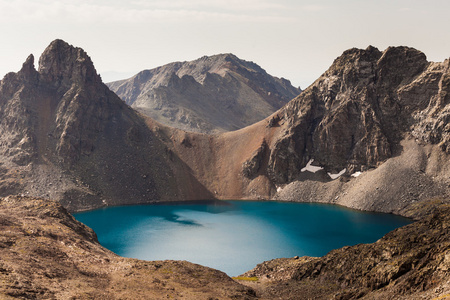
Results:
x,y
65,64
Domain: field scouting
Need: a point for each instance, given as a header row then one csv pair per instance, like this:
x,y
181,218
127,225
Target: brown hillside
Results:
x,y
211,94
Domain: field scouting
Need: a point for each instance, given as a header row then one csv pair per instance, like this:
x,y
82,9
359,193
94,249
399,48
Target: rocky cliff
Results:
x,y
356,113
211,94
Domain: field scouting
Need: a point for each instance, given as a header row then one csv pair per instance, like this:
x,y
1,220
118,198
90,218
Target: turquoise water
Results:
x,y
234,236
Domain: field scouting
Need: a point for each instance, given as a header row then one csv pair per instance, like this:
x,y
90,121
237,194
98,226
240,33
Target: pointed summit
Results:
x,y
64,64
28,65
28,72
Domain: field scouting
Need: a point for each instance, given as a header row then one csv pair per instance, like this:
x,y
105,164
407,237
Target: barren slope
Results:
x,y
211,94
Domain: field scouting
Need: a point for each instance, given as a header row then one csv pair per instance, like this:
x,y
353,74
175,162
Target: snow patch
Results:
x,y
279,189
356,174
334,176
310,168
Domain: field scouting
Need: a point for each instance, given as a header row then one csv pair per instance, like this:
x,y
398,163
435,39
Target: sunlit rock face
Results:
x,y
356,113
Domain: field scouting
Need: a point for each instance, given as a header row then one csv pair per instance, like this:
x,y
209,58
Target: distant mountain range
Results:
x,y
211,94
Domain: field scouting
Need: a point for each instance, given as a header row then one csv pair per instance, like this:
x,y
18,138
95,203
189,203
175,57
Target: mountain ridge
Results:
x,y
358,116
371,109
211,94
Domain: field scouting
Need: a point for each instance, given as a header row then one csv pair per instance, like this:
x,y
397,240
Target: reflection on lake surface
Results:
x,y
234,236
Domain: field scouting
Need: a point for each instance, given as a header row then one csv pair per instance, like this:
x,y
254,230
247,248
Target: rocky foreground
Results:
x,y
47,254
412,262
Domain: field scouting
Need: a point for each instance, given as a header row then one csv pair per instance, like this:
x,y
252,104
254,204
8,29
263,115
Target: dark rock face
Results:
x,y
65,66
65,135
19,144
356,113
56,102
212,94
251,166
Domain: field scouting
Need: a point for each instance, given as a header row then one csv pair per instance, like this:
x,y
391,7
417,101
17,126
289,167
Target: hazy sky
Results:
x,y
294,39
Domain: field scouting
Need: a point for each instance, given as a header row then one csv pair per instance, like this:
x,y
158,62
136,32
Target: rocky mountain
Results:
x,y
381,115
66,136
359,110
211,94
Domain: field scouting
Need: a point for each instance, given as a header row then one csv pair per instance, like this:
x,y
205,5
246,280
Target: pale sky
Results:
x,y
294,39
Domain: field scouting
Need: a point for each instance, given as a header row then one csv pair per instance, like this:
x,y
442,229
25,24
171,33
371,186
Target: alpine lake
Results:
x,y
233,236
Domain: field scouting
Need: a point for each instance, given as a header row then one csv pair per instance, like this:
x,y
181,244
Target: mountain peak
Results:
x,y
63,63
210,94
29,63
28,70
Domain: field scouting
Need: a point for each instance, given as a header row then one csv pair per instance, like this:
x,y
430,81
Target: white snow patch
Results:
x,y
356,174
334,176
279,189
310,168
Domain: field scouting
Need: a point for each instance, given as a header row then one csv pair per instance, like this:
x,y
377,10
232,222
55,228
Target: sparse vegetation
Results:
x,y
244,278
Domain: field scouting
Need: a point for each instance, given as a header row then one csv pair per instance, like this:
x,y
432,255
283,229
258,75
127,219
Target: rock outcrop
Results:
x,y
211,94
356,113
